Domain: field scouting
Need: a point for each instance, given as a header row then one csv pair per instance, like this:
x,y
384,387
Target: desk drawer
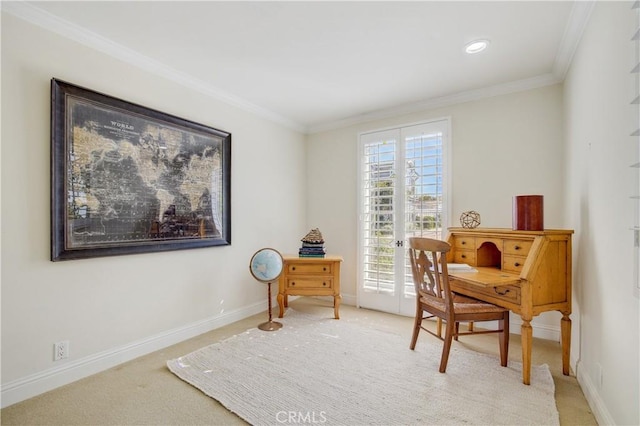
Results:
x,y
517,247
310,268
309,282
513,263
465,256
468,243
508,293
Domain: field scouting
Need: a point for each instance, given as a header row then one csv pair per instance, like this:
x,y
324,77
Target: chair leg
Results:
x,y
504,339
455,336
446,348
416,328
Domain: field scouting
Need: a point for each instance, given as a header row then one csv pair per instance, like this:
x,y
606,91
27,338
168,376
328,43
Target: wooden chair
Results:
x,y
434,299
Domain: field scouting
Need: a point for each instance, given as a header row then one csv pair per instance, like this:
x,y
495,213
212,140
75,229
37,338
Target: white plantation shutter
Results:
x,y
378,217
425,201
403,193
635,8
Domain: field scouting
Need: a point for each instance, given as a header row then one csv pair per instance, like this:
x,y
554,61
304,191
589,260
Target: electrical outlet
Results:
x,y
61,350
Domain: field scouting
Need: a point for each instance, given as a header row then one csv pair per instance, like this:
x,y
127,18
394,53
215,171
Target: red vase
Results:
x,y
528,213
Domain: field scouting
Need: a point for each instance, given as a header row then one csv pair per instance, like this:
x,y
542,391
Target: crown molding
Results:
x,y
580,14
578,19
443,101
41,18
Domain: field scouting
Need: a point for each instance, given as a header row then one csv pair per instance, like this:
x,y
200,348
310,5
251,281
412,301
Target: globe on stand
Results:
x,y
266,266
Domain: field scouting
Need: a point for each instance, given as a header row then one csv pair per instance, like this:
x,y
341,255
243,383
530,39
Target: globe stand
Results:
x,y
266,266
270,325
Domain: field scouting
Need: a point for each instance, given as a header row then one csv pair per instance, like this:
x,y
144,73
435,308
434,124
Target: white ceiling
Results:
x,y
317,65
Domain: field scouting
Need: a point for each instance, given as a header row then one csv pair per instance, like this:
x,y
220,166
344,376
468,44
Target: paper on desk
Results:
x,y
460,267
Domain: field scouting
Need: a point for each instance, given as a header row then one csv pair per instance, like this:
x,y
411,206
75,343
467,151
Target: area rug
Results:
x,y
335,372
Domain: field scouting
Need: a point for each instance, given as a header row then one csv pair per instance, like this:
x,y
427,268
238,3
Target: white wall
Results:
x,y
112,309
115,308
502,146
599,121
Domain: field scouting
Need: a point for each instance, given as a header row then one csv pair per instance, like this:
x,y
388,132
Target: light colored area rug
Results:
x,y
332,372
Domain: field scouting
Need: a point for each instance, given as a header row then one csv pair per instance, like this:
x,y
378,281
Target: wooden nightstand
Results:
x,y
310,276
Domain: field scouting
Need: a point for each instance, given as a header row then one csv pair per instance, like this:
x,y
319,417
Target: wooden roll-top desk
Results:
x,y
528,272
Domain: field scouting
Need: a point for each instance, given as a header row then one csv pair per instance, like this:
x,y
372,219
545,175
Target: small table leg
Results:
x,y
336,305
281,304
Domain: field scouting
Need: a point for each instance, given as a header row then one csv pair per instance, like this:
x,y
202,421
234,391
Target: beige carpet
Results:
x,y
298,374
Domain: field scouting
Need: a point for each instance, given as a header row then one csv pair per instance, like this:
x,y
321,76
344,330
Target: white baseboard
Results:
x,y
347,299
542,331
44,381
597,405
38,383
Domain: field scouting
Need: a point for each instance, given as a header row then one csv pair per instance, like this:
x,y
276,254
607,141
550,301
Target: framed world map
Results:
x,y
128,179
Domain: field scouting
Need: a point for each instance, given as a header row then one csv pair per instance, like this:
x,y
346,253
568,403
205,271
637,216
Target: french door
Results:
x,y
403,184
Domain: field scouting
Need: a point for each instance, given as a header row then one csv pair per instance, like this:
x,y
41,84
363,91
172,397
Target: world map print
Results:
x,y
133,179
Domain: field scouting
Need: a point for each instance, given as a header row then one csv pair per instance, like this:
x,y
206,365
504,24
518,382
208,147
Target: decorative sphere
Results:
x,y
266,265
470,219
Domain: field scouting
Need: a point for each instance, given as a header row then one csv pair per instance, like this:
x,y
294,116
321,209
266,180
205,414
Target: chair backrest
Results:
x,y
429,270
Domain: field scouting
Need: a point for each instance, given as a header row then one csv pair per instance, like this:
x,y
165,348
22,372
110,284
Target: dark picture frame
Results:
x,y
128,179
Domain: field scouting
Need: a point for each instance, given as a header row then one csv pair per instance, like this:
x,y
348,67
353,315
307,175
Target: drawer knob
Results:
x,y
517,263
517,248
324,269
293,268
464,256
292,284
463,242
501,293
324,283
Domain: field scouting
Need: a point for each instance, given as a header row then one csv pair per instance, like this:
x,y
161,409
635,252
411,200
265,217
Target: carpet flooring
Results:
x,y
144,392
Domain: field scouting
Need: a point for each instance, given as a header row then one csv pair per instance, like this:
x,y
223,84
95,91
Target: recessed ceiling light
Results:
x,y
476,46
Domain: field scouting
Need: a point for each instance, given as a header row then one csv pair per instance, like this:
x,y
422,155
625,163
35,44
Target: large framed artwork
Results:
x,y
129,179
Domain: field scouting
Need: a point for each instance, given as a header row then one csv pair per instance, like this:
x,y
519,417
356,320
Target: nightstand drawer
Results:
x,y
309,282
310,268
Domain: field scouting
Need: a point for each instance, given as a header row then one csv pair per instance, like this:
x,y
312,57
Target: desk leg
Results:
x,y
526,336
565,332
336,305
281,299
